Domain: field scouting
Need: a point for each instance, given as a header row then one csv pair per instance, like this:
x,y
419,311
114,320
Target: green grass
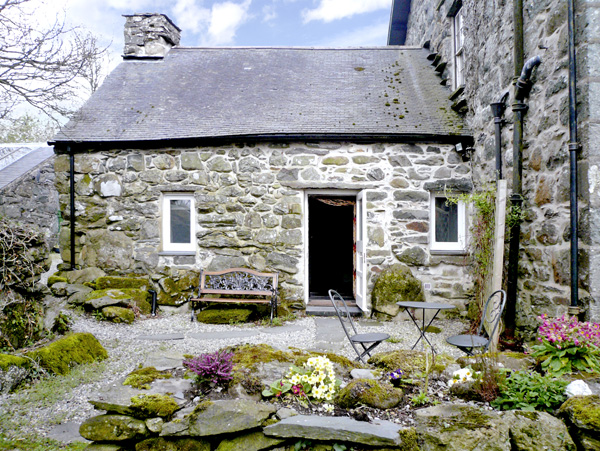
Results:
x,y
394,340
37,444
16,413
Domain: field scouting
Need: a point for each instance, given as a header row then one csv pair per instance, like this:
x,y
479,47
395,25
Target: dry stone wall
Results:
x,y
250,208
544,271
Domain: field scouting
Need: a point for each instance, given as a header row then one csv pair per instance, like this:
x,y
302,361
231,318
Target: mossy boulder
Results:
x,y
173,444
81,276
61,355
143,377
113,428
13,371
410,362
118,314
153,405
254,441
395,284
105,282
126,297
370,393
54,279
224,315
177,288
582,415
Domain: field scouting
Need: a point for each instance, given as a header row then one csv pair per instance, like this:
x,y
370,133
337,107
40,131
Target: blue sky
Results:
x,y
319,23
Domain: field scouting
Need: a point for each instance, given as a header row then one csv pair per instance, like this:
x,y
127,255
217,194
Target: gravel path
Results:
x,y
172,336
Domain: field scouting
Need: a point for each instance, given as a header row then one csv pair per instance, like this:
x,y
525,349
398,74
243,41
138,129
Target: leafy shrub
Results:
x,y
566,345
316,381
530,391
213,368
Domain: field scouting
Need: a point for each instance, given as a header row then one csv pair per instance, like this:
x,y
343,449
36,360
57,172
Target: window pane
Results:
x,y
180,220
446,221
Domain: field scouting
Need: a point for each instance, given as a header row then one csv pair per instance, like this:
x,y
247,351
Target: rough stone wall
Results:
x,y
33,199
249,203
149,35
544,266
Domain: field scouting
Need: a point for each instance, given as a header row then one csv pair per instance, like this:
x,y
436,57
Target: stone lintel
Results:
x,y
329,185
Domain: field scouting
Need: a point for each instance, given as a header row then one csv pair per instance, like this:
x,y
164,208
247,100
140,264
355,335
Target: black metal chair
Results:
x,y
341,308
481,340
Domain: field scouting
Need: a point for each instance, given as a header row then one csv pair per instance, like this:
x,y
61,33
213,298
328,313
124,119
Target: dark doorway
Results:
x,y
331,245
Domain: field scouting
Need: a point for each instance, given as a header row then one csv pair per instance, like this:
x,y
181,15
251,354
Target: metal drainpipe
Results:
x,y
518,36
520,109
573,148
498,110
72,203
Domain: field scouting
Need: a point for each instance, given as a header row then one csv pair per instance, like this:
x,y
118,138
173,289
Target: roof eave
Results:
x,y
61,145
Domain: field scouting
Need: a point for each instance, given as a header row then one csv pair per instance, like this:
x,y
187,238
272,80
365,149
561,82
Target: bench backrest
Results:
x,y
238,281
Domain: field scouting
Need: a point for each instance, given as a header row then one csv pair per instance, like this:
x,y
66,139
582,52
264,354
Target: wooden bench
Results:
x,y
237,286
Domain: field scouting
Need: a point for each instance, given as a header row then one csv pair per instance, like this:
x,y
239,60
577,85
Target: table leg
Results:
x,y
423,329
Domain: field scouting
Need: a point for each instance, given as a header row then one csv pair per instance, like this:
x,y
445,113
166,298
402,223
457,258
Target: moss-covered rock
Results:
x,y
177,288
13,371
224,315
85,275
255,441
395,284
106,282
126,297
173,444
7,360
143,377
118,314
582,415
154,405
61,355
370,393
55,278
113,428
410,362
21,321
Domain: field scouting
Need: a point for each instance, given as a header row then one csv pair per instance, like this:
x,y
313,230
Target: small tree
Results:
x,y
41,66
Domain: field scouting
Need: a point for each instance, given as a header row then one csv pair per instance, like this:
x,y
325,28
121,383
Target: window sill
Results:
x,y
448,252
178,253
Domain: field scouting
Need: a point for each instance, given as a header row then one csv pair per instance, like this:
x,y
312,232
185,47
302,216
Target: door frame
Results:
x,y
305,226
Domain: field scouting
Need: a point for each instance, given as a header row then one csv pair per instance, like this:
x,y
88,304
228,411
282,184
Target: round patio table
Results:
x,y
437,306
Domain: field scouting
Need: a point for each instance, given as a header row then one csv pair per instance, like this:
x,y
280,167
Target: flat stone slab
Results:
x,y
341,429
281,330
120,395
223,335
66,433
161,337
162,362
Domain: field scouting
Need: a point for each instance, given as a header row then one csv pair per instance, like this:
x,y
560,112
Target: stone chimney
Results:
x,y
149,35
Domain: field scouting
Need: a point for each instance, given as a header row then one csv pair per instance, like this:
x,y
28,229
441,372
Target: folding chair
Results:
x,y
467,342
341,308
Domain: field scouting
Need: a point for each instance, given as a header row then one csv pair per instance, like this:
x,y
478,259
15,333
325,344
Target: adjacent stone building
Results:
x,y
27,191
472,45
325,165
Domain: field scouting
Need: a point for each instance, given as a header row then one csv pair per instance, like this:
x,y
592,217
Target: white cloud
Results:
x,y
225,19
269,13
372,35
190,17
329,10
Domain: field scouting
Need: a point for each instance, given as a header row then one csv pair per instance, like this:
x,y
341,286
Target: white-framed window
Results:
x,y
459,51
448,228
178,223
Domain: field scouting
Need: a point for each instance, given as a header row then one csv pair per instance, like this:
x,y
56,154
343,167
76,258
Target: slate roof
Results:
x,y
18,159
269,92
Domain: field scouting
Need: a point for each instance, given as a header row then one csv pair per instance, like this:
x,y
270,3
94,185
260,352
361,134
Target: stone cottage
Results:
x,y
485,51
325,165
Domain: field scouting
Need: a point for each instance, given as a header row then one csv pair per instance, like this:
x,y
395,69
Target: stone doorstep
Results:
x,y
314,427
